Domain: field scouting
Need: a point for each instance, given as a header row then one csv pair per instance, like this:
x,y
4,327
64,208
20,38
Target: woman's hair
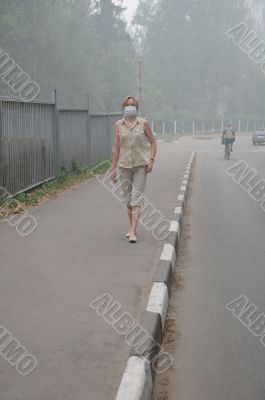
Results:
x,y
128,98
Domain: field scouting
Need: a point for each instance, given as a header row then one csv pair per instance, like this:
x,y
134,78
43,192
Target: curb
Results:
x,y
139,374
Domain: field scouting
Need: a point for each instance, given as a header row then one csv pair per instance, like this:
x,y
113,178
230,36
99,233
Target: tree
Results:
x,y
195,68
109,23
117,52
70,45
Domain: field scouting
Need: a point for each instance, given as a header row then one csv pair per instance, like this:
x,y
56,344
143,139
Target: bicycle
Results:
x,y
228,146
227,150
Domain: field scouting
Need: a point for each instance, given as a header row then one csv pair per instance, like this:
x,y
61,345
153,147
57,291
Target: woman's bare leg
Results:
x,y
129,210
135,214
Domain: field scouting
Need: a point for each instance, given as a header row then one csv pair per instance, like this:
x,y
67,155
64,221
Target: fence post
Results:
x,y
175,127
56,138
163,127
109,139
152,125
222,125
193,127
1,148
88,136
247,125
239,126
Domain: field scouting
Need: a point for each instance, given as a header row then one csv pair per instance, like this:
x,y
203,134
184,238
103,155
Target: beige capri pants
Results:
x,y
133,181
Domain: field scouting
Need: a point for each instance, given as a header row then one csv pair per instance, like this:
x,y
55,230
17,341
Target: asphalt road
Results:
x,y
78,253
221,257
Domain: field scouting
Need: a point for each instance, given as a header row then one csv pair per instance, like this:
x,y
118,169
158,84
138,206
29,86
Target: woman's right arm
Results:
x,y
115,153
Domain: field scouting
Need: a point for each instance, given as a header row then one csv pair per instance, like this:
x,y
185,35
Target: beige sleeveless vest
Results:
x,y
132,144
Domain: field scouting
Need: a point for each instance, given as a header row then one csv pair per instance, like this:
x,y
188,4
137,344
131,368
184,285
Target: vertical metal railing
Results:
x,y
88,135
27,147
38,138
56,135
197,127
1,149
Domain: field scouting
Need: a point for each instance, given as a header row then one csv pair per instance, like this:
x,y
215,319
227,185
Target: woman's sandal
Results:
x,y
128,235
132,239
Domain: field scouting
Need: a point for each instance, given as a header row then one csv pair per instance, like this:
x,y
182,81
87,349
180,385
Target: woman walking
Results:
x,y
130,156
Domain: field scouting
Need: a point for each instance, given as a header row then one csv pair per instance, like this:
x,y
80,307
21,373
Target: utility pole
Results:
x,y
139,83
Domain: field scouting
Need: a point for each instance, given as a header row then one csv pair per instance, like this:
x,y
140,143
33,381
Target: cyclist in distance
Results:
x,y
229,136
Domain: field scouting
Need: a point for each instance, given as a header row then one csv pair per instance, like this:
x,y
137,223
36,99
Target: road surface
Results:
x,y
221,258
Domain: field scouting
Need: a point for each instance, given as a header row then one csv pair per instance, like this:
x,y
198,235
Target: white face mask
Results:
x,y
130,111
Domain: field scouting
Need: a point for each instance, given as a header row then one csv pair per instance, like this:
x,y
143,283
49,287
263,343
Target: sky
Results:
x,y
131,7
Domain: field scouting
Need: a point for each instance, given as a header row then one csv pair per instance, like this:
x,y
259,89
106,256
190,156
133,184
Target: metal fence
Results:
x,y
38,138
203,127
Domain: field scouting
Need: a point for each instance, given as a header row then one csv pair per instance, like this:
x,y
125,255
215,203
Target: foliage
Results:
x,y
64,180
190,66
75,46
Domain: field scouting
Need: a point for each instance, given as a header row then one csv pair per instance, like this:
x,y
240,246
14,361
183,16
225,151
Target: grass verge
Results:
x,y
66,179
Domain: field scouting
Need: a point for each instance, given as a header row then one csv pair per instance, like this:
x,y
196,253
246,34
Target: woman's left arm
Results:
x,y
152,141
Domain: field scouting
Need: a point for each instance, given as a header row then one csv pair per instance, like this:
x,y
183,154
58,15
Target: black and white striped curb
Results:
x,y
138,377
